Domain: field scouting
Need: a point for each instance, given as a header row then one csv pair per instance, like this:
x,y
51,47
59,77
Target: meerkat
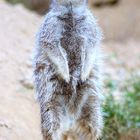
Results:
x,y
67,72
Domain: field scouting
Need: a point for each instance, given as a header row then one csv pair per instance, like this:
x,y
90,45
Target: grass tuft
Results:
x,y
122,117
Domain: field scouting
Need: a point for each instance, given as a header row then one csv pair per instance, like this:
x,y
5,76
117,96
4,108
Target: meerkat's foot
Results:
x,y
70,135
86,132
66,137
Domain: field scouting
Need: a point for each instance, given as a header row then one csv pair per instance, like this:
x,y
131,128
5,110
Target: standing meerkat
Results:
x,y
67,72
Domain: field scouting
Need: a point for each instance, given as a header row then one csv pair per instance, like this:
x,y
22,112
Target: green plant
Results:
x,y
122,117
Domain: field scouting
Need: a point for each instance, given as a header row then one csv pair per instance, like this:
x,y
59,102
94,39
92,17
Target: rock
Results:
x,y
27,75
41,6
104,2
27,81
5,124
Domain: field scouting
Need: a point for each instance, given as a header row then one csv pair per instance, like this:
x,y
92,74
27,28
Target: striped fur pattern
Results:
x,y
67,74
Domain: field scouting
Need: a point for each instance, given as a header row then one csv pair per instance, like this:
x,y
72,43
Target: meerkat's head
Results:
x,y
64,2
61,7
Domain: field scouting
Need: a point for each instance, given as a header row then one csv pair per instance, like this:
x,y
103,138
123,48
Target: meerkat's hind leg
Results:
x,y
86,128
87,133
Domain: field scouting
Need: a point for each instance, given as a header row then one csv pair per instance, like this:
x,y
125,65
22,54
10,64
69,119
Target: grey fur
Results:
x,y
67,74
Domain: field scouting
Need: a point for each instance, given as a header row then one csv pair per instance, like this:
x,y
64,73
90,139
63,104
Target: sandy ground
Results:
x,y
120,22
19,113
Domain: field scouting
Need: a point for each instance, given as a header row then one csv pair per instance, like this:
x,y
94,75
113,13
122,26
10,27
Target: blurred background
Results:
x,y
19,112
